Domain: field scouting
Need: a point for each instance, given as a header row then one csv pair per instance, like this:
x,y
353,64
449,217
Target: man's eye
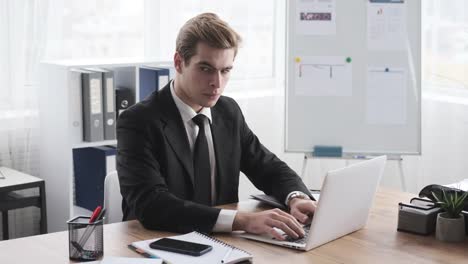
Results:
x,y
205,69
226,71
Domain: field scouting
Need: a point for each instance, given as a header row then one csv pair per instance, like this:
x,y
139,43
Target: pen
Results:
x,y
77,246
141,252
95,214
359,157
226,256
101,214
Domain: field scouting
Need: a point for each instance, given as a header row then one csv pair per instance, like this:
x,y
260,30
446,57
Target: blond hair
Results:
x,y
209,29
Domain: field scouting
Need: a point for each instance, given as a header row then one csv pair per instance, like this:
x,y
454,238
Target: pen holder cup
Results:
x,y
85,240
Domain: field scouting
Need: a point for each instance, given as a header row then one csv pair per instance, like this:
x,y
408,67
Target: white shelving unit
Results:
x,y
62,129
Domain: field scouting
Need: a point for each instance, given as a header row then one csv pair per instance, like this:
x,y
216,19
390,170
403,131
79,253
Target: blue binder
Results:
x,y
91,165
152,79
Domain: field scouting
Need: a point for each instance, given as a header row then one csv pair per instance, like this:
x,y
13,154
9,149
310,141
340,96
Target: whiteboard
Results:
x,y
353,76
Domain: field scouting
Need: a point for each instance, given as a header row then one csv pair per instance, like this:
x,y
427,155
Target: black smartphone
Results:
x,y
179,246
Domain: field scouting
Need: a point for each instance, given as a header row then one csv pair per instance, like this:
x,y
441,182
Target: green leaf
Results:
x,y
451,202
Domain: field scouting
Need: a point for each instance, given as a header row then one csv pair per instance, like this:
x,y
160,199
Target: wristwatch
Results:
x,y
296,194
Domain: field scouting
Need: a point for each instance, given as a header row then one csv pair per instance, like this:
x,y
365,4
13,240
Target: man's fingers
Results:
x,y
302,210
292,218
293,224
284,227
308,207
266,222
300,216
275,234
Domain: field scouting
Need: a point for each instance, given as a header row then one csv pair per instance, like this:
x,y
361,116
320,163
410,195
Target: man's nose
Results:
x,y
216,80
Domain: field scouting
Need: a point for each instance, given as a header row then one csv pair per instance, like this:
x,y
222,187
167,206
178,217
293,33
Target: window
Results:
x,y
445,44
90,29
4,53
255,21
112,29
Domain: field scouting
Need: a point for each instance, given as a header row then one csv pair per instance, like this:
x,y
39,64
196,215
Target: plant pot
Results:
x,y
450,229
465,214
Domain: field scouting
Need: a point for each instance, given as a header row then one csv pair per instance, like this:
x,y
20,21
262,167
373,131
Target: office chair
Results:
x,y
112,198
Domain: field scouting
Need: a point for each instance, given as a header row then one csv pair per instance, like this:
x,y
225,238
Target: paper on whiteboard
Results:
x,y
386,96
386,24
315,17
323,76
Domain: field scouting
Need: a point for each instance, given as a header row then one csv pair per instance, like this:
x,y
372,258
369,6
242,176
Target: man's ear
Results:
x,y
178,61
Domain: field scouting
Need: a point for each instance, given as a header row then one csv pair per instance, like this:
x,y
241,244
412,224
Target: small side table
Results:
x,y
9,200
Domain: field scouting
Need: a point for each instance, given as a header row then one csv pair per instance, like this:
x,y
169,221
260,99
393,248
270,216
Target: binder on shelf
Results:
x,y
124,98
152,79
90,167
108,102
76,104
108,89
91,86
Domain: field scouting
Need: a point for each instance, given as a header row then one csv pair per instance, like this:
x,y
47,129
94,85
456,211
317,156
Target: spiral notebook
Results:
x,y
219,251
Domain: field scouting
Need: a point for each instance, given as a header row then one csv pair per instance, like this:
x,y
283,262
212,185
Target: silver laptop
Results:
x,y
344,205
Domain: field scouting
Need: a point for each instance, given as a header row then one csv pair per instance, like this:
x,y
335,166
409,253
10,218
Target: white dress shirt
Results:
x,y
225,217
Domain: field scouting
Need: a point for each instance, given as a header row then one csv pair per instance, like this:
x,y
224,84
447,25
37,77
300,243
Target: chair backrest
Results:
x,y
112,198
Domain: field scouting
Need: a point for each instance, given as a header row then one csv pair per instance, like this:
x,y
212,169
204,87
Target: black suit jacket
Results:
x,y
155,167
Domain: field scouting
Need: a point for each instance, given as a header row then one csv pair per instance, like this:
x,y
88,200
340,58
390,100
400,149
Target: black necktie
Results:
x,y
201,164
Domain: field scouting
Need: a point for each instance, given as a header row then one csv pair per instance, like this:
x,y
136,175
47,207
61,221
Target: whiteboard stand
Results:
x,y
402,176
348,157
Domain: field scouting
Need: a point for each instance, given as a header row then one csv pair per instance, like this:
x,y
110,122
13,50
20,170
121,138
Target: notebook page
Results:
x,y
214,256
124,260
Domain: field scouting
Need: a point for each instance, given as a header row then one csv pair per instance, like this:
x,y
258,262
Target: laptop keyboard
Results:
x,y
301,240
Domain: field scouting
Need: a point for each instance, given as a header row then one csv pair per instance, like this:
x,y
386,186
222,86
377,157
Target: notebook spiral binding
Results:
x,y
221,242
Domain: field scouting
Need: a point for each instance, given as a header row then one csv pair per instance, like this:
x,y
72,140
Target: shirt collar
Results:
x,y
187,112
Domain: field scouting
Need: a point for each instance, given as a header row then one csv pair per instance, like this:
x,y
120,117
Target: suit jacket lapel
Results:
x,y
175,131
221,130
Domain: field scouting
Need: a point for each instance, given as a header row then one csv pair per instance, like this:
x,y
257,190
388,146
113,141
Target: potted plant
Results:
x,y
450,224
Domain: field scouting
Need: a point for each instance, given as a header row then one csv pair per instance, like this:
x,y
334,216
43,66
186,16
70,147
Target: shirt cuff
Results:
x,y
225,221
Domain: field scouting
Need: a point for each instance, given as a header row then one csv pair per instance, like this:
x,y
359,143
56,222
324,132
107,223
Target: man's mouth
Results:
x,y
212,96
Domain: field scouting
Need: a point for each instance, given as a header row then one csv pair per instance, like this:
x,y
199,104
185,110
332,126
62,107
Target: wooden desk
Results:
x,y
378,242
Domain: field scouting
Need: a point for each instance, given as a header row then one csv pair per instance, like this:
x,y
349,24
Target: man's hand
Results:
x,y
302,209
265,221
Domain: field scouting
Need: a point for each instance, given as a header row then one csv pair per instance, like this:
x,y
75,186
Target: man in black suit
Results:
x,y
180,151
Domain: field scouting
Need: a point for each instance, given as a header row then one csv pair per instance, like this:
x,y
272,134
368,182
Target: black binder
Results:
x,y
91,83
125,98
108,103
